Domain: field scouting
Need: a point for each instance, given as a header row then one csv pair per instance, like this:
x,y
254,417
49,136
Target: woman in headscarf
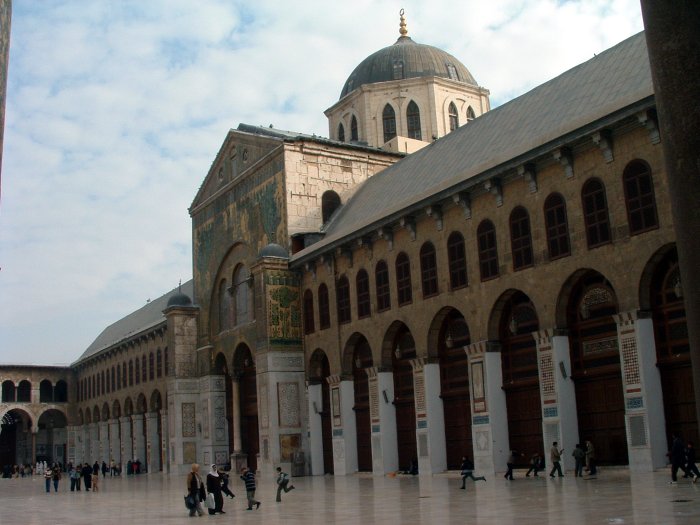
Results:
x,y
195,489
214,487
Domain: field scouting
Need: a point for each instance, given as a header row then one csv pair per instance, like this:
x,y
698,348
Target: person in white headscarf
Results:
x,y
214,488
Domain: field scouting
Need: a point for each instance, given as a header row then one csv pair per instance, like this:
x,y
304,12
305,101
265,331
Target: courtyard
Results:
x,y
614,497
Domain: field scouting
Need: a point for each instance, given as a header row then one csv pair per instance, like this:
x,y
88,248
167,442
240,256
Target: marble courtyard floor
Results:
x,y
614,498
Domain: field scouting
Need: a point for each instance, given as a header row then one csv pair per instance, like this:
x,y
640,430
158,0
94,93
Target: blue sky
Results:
x,y
116,109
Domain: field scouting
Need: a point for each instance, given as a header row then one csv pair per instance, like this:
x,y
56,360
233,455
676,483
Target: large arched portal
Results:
x,y
404,401
221,368
595,363
320,370
520,373
52,437
15,438
244,365
361,360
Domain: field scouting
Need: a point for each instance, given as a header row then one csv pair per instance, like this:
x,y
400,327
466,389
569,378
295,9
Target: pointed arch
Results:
x,y
389,122
413,121
453,116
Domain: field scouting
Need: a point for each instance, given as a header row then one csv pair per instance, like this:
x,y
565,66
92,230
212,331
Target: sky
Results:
x,y
116,110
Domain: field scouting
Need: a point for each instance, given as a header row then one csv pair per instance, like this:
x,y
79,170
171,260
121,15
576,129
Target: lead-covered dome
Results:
x,y
406,59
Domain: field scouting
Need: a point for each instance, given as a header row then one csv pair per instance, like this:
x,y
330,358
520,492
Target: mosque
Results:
x,y
436,279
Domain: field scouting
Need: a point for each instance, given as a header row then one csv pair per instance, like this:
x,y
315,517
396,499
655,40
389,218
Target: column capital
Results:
x,y
624,318
546,334
335,379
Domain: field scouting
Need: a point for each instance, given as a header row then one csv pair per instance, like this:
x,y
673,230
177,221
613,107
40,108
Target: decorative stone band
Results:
x,y
481,347
335,379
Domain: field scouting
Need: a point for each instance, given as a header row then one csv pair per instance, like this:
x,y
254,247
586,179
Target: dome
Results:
x,y
274,250
179,299
418,60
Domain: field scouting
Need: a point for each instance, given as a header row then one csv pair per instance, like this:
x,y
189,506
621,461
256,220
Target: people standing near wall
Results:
x,y
591,459
467,471
555,456
580,458
195,489
96,481
249,479
112,467
214,488
282,482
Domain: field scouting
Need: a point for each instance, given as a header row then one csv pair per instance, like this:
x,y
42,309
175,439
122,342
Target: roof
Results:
x,y
418,60
146,317
615,79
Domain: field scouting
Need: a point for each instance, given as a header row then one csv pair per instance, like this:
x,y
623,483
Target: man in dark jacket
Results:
x,y
677,456
87,476
249,479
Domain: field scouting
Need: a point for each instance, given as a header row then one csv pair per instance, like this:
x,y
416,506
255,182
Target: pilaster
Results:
x,y
212,419
115,447
104,441
139,439
430,417
127,450
315,407
344,425
385,453
153,442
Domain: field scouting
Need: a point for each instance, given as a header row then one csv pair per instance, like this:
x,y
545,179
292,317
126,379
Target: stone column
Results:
x,y
164,450
489,415
342,393
115,448
430,417
33,458
236,391
644,411
104,441
139,441
152,442
214,438
95,442
557,392
127,452
315,402
385,453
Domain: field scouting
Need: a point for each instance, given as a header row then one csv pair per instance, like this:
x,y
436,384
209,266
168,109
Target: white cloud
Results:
x,y
115,111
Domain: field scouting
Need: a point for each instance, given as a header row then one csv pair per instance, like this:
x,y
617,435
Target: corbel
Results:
x,y
435,211
603,139
464,200
409,223
649,121
528,172
345,251
366,243
566,159
493,186
310,268
388,235
326,260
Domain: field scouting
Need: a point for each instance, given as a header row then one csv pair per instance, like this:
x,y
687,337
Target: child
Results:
x,y
282,482
96,481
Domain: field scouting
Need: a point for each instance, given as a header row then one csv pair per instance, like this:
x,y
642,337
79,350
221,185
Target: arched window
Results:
x,y
224,306
119,377
8,392
131,373
124,374
308,312
144,369
137,371
104,383
45,391
60,391
324,311
403,279
389,120
330,201
428,269
343,299
639,197
341,132
242,291
24,392
114,381
97,390
595,213
520,238
488,252
362,284
354,137
159,363
413,121
381,277
454,117
557,226
165,362
470,114
151,367
457,260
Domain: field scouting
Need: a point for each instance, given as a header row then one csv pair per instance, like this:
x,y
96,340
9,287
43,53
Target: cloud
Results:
x,y
115,111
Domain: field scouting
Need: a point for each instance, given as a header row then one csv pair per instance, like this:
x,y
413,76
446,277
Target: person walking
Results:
x,y
74,476
55,476
87,476
555,457
112,468
579,457
535,461
95,481
590,458
214,488
512,458
282,482
677,456
47,478
195,490
249,479
690,467
467,471
104,469
224,484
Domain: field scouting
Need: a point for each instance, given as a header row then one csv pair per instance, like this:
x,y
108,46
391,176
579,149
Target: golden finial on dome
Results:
x,y
402,25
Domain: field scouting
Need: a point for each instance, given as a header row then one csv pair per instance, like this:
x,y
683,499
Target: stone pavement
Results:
x,y
613,498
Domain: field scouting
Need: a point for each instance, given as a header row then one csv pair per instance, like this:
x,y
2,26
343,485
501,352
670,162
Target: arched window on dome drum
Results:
x,y
488,252
428,270
353,130
324,312
557,226
308,312
470,114
403,279
341,133
595,213
342,291
520,238
362,284
457,260
330,201
389,121
381,277
639,197
413,121
454,117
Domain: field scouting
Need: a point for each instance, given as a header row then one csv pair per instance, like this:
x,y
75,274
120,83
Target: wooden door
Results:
x,y
326,429
454,386
679,402
405,413
249,417
524,421
362,421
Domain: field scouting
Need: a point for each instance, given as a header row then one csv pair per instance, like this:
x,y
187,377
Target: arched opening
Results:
x,y
354,137
15,438
361,360
404,350
8,392
45,391
673,349
105,412
243,296
320,370
341,132
389,122
221,368
453,116
52,437
24,392
330,201
517,322
413,121
595,363
453,336
244,365
60,392
157,454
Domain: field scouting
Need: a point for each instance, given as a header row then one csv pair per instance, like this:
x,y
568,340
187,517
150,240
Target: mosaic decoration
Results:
x,y
630,360
482,440
287,362
419,391
263,404
637,431
284,314
288,402
188,420
421,423
189,452
480,420
599,346
337,432
477,383
634,403
550,412
219,418
593,297
547,376
373,400
289,444
205,419
221,457
335,400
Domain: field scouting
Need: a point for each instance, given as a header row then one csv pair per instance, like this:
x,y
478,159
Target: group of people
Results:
x,y
90,476
682,457
17,471
583,454
212,491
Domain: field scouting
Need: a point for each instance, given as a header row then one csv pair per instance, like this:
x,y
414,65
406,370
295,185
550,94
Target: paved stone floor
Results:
x,y
613,498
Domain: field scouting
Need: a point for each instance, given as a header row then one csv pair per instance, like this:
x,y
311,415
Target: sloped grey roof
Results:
x,y
609,82
146,317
